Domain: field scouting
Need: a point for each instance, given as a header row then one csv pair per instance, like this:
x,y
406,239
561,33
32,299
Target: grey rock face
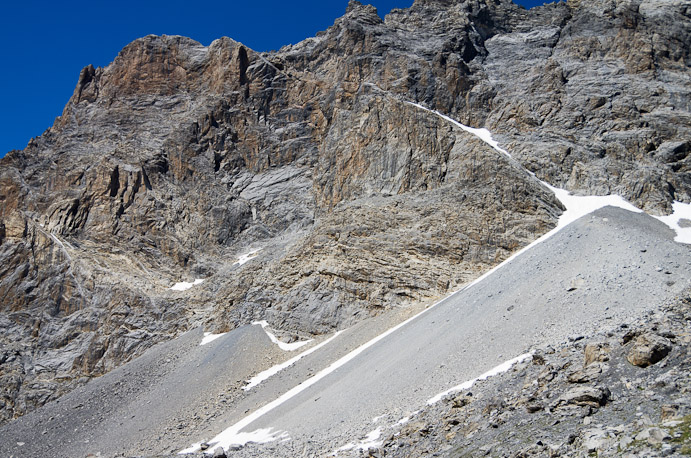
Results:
x,y
177,158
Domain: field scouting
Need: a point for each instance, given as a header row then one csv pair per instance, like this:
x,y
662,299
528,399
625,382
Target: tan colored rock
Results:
x,y
669,412
648,349
588,374
597,352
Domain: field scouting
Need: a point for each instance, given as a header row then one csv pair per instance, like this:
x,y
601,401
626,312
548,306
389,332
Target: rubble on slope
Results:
x,y
579,398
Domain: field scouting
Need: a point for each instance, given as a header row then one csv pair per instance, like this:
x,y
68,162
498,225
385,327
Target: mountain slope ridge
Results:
x,y
177,158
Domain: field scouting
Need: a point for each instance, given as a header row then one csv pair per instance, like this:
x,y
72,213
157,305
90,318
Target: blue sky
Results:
x,y
46,43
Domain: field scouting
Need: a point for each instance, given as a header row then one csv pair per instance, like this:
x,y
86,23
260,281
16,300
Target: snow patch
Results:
x,y
208,337
232,437
371,440
503,367
679,221
578,206
282,345
184,286
243,258
257,379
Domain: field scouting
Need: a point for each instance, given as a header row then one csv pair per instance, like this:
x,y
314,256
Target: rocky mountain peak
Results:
x,y
163,66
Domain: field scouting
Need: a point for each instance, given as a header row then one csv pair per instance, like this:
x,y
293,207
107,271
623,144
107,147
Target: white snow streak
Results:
x,y
260,436
233,436
230,436
503,367
282,345
208,337
483,134
257,379
243,258
184,286
371,440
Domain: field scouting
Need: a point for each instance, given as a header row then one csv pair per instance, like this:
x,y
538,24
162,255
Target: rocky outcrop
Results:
x,y
177,158
648,349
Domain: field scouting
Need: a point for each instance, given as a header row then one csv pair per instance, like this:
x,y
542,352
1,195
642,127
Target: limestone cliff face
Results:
x,y
176,158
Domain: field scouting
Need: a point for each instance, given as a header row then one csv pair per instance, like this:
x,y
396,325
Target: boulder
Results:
x,y
597,352
653,436
584,396
648,349
219,453
587,374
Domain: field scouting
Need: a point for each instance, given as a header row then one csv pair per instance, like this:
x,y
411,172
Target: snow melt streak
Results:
x,y
208,337
184,286
282,345
500,369
371,440
257,379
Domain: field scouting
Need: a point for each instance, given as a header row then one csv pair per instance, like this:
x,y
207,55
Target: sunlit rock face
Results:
x,y
176,159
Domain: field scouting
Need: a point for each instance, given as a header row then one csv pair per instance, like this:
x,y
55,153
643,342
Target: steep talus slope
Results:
x,y
580,398
181,393
177,158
